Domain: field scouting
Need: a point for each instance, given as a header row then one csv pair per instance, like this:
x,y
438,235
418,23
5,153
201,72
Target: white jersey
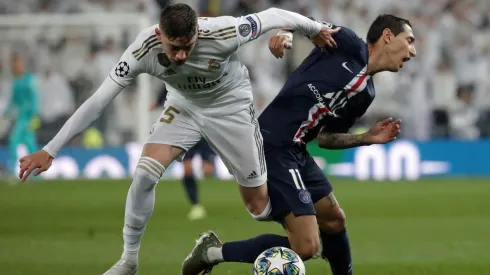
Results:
x,y
212,76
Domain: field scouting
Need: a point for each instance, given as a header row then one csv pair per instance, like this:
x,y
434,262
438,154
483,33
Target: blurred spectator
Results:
x,y
56,102
463,116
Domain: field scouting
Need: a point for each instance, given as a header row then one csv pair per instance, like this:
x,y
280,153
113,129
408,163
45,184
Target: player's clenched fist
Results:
x,y
40,160
279,42
384,131
324,38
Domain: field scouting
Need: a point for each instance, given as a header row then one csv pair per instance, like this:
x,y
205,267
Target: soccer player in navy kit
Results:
x,y
321,100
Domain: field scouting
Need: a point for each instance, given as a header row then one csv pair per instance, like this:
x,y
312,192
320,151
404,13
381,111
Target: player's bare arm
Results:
x,y
384,131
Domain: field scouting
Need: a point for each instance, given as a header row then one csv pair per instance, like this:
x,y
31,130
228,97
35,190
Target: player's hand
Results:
x,y
324,39
40,160
279,42
384,131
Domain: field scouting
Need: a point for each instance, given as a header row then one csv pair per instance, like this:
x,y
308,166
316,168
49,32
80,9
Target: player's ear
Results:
x,y
387,36
158,33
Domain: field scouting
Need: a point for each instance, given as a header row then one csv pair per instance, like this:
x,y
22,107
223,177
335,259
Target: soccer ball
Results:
x,y
279,261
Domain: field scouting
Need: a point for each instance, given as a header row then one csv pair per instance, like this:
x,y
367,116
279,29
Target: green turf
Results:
x,y
74,227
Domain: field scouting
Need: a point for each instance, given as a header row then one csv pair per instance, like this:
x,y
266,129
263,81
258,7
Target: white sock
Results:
x,y
139,205
215,255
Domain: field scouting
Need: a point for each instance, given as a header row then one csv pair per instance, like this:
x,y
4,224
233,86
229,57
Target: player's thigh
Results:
x,y
328,212
303,234
173,134
236,138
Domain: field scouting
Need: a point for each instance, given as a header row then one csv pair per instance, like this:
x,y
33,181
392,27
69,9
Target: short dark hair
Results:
x,y
394,23
178,20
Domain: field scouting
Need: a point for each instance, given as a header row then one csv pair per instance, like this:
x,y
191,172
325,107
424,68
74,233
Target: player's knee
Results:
x,y
148,168
307,248
333,223
257,201
260,211
162,153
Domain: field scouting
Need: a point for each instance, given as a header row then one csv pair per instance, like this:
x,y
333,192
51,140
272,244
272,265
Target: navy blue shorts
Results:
x,y
295,181
201,148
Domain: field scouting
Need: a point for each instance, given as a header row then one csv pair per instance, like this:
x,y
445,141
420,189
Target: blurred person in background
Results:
x,y
463,115
25,102
53,113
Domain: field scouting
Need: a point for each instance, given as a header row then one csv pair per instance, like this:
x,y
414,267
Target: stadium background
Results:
x,y
417,206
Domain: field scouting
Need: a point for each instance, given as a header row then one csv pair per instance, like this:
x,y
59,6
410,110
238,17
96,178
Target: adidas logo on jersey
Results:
x,y
253,175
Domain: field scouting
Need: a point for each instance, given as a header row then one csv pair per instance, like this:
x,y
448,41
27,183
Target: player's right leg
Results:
x,y
331,220
291,205
236,138
171,137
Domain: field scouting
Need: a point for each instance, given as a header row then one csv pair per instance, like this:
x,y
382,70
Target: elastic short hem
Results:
x,y
250,183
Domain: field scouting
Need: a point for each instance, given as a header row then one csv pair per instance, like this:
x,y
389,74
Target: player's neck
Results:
x,y
376,60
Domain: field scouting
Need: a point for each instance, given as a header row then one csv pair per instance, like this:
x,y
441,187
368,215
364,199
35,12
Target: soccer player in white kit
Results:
x,y
210,96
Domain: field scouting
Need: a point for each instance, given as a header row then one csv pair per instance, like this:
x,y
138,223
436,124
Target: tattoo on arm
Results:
x,y
340,140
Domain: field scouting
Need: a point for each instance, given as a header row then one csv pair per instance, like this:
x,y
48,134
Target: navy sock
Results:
x,y
191,189
248,250
336,249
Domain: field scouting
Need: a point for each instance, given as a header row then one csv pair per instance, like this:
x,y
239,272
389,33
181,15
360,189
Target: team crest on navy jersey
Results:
x,y
213,65
304,196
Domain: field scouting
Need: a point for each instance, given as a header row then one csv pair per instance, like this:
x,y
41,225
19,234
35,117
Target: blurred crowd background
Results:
x,y
443,93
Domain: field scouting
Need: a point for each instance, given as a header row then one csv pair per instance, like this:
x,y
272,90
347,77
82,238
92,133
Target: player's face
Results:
x,y
177,49
400,49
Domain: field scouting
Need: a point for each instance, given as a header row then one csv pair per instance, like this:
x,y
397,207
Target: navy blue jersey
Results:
x,y
329,90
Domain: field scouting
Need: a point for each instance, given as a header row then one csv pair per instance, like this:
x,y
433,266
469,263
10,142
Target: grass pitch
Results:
x,y
74,227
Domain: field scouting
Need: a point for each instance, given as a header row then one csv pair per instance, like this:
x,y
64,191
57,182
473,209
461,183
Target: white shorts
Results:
x,y
235,137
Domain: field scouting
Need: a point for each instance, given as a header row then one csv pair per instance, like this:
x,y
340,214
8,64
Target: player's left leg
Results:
x,y
208,157
236,138
331,220
335,241
190,185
